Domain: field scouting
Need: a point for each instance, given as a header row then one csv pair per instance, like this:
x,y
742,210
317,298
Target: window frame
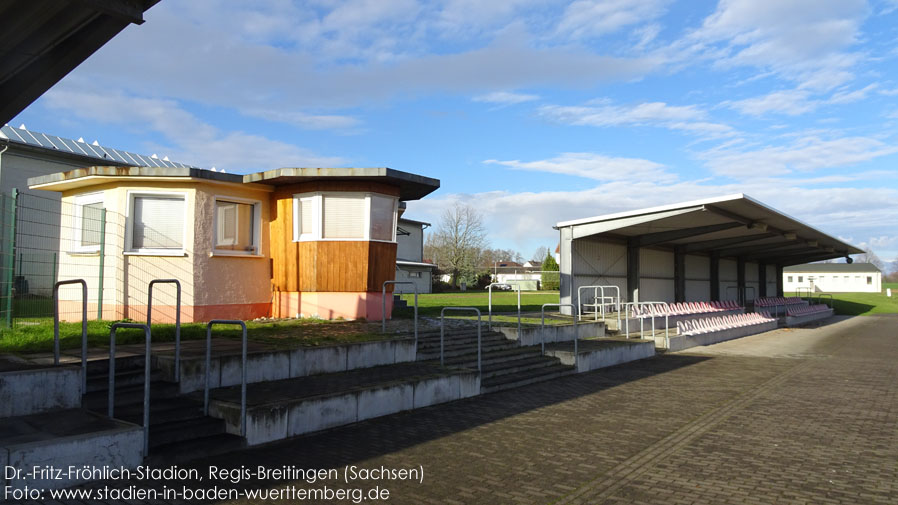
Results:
x,y
79,202
318,204
129,249
257,227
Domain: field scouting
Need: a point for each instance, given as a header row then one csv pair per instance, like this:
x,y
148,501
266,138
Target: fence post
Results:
x,y
11,264
102,258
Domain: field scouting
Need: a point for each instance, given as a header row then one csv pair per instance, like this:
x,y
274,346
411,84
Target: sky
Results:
x,y
534,111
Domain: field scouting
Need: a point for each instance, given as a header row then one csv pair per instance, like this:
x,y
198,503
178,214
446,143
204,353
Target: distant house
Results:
x,y
511,272
410,265
833,278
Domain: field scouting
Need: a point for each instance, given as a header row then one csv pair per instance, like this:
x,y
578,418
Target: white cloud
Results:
x,y
593,166
805,41
505,98
791,102
852,96
659,114
190,140
584,19
303,120
803,154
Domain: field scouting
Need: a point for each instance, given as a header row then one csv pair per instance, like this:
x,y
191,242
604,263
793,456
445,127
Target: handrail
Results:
x,y
802,289
242,370
600,291
821,295
490,305
177,284
146,377
443,332
542,311
628,306
383,301
83,327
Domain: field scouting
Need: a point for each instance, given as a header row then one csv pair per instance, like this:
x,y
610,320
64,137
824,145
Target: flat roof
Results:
x,y
833,267
411,186
732,226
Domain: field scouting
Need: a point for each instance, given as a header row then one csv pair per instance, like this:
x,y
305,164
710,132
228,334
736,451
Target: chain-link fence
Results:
x,y
46,239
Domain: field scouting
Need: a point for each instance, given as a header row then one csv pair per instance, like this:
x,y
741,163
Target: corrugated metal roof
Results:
x,y
80,148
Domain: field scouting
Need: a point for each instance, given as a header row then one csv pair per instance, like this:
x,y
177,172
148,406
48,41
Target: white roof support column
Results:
x,y
566,293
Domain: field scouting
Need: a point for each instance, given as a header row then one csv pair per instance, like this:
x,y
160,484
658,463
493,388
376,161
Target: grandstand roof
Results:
x,y
731,226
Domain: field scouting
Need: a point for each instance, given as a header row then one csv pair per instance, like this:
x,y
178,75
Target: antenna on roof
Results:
x,y
81,139
22,127
96,143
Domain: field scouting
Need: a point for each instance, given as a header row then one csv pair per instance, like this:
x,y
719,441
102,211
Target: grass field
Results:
x,y
865,304
25,338
503,301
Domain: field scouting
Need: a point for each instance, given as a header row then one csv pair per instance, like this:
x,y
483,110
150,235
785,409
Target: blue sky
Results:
x,y
536,111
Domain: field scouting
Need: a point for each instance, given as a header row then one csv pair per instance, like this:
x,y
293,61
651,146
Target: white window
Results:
x,y
383,215
237,226
789,279
88,216
800,279
157,223
344,216
869,280
415,275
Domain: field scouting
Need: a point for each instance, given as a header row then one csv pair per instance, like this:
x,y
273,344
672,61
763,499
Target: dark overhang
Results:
x,y
41,41
734,226
411,186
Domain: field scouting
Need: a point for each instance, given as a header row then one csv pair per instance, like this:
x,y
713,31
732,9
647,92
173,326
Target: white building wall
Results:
x,y
698,280
833,282
595,263
728,277
410,247
422,277
656,272
753,287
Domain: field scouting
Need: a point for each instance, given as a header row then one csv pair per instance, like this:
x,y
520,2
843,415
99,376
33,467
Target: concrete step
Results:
x,y
458,344
202,447
517,366
161,411
492,357
129,395
183,430
465,349
524,378
122,363
128,377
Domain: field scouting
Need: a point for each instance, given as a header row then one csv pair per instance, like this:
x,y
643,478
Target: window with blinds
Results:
x,y
91,220
157,223
383,210
235,227
344,217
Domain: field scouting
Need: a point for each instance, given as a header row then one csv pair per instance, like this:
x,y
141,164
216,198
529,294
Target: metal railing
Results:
x,y
383,301
146,377
629,306
802,289
600,298
829,296
443,332
543,330
177,319
83,327
242,370
490,305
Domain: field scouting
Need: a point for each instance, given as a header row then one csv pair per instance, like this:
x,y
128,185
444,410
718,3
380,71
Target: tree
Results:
x,y
550,281
540,253
868,256
456,243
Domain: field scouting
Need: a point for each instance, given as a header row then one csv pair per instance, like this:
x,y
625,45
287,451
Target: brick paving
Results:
x,y
791,416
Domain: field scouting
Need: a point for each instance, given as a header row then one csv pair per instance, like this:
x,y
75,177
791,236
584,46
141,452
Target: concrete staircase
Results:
x,y
178,428
505,364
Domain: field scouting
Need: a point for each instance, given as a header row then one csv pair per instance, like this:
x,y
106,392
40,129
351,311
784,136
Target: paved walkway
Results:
x,y
803,416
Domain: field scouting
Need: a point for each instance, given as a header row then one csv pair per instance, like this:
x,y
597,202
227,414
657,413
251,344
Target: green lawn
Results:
x,y
36,335
503,301
864,304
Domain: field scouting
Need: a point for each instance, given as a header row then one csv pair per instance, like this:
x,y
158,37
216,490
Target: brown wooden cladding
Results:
x,y
326,266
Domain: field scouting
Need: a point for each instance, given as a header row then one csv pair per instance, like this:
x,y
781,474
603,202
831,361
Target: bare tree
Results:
x,y
456,243
868,256
540,254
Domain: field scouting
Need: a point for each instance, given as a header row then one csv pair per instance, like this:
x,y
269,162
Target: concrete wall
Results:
x,y
610,354
593,262
554,333
25,392
728,280
681,342
424,282
698,280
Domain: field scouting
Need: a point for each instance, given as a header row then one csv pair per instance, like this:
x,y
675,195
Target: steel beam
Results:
x,y
708,245
632,272
661,237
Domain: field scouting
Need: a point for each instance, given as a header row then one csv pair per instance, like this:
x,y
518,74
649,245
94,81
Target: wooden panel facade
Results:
x,y
326,266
